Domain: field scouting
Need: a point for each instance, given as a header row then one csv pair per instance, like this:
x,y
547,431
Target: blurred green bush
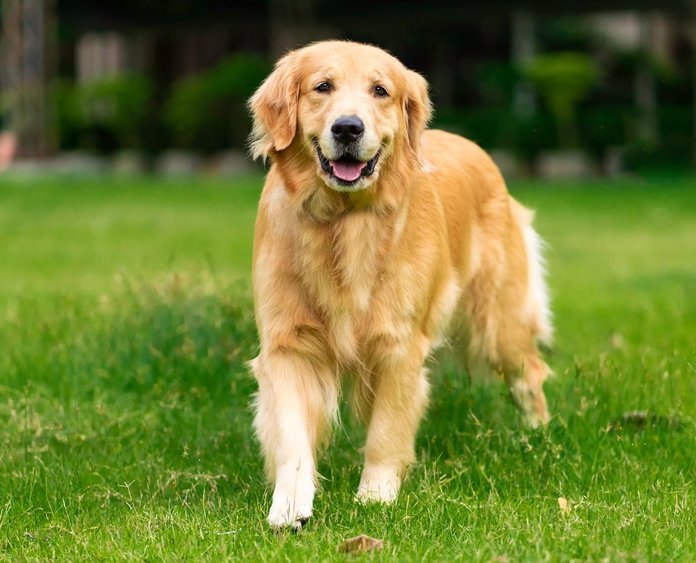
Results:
x,y
563,80
600,128
604,117
207,111
103,115
203,113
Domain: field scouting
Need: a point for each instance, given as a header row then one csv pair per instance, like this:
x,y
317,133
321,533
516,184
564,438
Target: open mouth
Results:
x,y
347,169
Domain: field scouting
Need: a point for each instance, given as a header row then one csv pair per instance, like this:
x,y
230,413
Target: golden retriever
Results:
x,y
376,241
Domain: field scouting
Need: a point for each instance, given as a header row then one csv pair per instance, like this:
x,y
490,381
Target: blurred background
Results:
x,y
554,89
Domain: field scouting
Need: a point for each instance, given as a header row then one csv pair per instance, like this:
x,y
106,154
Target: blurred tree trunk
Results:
x,y
692,37
644,87
523,51
443,74
28,64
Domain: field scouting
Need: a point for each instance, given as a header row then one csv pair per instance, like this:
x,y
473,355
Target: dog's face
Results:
x,y
349,115
349,107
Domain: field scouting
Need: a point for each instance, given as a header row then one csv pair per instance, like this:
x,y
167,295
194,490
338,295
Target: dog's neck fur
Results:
x,y
345,251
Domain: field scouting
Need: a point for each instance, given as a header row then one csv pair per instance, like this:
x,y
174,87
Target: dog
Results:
x,y
376,242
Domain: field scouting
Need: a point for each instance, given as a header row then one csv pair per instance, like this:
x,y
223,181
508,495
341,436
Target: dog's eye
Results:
x,y
324,87
380,91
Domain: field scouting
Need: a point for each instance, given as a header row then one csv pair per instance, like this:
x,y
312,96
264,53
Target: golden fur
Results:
x,y
364,281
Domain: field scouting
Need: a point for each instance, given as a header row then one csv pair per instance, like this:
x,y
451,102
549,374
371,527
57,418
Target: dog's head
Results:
x,y
348,106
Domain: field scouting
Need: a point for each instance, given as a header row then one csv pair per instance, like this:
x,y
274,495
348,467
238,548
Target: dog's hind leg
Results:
x,y
513,354
526,387
296,402
505,325
527,320
522,368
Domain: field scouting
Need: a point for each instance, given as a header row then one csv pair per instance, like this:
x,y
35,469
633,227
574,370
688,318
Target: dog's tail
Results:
x,y
537,301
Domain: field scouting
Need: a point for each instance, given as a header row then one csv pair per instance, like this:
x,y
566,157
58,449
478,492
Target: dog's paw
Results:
x,y
531,402
536,420
379,484
290,510
368,494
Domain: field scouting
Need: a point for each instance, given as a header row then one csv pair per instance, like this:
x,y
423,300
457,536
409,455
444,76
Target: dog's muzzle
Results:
x,y
347,169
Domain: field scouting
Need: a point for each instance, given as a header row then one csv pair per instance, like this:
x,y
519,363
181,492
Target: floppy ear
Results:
x,y
274,109
417,107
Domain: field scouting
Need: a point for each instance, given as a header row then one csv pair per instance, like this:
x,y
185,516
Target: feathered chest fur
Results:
x,y
344,267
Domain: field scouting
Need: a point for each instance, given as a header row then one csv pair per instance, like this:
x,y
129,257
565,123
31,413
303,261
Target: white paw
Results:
x,y
536,419
290,509
379,483
531,402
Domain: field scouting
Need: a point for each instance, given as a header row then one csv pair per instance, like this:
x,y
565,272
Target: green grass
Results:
x,y
125,427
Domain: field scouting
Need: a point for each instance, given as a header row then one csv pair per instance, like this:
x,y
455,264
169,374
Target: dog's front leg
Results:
x,y
296,400
400,395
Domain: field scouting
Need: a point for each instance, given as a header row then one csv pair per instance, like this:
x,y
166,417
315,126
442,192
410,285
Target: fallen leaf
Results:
x,y
564,505
617,340
360,544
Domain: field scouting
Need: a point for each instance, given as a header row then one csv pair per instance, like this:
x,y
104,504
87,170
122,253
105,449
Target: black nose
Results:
x,y
348,129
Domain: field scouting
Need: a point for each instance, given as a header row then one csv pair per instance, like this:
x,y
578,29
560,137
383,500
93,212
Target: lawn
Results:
x,y
125,427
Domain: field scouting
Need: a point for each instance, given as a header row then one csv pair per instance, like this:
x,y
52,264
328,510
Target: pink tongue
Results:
x,y
347,171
